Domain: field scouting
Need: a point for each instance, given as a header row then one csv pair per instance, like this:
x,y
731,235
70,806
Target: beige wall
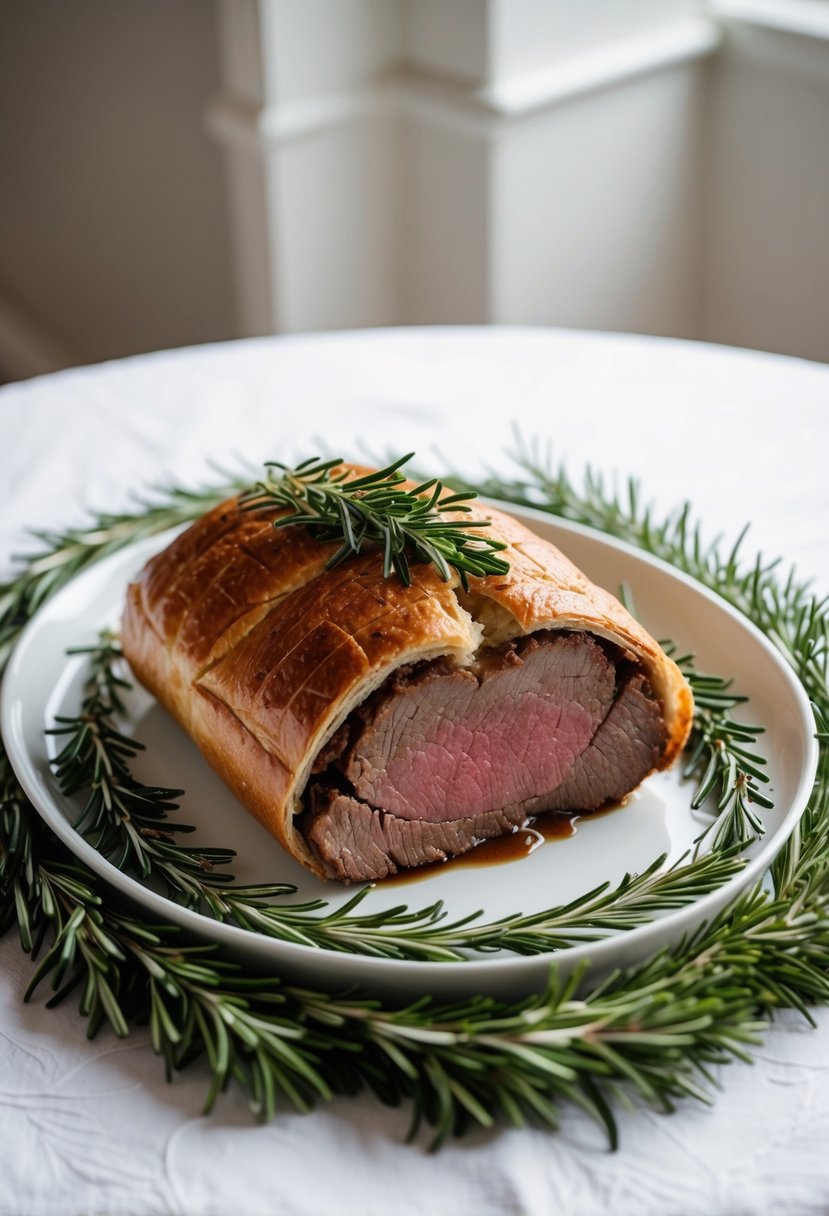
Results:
x,y
113,232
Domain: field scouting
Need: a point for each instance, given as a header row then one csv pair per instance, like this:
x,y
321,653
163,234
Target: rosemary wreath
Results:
x,y
657,1029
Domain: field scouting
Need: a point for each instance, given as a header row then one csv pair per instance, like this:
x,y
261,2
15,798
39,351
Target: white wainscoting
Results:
x,y
765,276
646,165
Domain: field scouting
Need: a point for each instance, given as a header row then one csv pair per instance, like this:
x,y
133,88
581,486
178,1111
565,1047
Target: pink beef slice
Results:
x,y
445,744
625,748
553,722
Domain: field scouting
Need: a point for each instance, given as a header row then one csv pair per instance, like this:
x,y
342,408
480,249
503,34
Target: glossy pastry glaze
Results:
x,y
261,653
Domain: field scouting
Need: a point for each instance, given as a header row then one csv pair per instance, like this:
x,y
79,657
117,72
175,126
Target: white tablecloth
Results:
x,y
92,1127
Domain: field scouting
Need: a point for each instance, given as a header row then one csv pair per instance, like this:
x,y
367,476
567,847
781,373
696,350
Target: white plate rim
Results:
x,y
383,973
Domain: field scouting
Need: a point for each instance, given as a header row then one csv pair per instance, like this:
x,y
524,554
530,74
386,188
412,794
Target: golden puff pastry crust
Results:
x,y
260,653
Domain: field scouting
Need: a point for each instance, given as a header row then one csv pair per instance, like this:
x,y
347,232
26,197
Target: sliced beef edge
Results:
x,y
357,841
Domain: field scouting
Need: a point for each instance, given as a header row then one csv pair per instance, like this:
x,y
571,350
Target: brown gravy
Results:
x,y
556,825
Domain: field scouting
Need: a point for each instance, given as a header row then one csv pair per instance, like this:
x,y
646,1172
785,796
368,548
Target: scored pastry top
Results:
x,y
261,653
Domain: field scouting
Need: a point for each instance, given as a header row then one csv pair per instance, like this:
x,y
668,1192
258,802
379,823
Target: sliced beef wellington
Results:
x,y
441,758
372,726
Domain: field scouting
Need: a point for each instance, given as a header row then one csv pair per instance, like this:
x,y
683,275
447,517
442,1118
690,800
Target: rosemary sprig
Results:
x,y
376,510
722,763
123,818
657,1029
126,821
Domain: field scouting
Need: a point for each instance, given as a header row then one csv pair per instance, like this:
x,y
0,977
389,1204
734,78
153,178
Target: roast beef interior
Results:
x,y
440,757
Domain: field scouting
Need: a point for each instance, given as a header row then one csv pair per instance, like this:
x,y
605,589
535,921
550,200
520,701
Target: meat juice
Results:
x,y
556,825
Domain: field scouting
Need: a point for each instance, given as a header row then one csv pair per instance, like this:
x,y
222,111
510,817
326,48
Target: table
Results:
x,y
93,1128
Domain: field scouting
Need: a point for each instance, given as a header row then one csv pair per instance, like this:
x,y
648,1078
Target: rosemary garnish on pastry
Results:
x,y
378,509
